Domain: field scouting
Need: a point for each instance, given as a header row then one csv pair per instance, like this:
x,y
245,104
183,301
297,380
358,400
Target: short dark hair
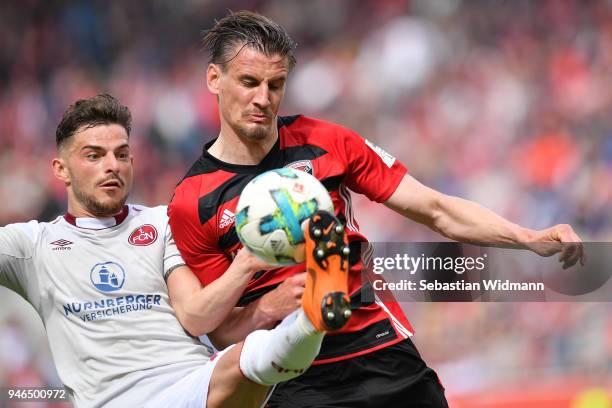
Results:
x,y
101,109
247,28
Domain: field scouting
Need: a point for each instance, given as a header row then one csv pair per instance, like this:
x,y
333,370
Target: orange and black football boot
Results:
x,y
325,300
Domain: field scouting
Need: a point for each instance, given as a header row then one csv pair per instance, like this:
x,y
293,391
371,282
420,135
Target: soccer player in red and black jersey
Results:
x,y
371,361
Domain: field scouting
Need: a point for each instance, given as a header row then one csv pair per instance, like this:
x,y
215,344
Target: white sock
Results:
x,y
272,356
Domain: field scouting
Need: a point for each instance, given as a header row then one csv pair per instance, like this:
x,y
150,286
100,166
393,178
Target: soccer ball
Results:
x,y
272,212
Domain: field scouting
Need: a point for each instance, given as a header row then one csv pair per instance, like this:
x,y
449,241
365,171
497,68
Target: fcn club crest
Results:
x,y
303,165
143,235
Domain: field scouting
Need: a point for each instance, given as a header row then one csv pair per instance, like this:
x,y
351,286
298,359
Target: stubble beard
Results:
x,y
254,134
95,206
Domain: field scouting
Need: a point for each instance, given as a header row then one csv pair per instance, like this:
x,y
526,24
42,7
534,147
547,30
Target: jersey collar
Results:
x,y
97,223
270,161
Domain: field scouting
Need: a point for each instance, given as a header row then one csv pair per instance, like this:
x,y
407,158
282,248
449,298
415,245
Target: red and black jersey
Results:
x,y
203,207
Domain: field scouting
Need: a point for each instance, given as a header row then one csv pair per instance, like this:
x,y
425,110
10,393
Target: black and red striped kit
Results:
x,y
201,217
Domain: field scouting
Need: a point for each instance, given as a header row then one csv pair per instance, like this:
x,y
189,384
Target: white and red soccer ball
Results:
x,y
272,212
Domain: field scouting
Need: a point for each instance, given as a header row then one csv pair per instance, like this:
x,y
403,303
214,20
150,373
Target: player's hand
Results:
x,y
559,239
250,263
285,298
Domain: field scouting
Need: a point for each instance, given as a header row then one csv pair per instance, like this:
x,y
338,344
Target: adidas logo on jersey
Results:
x,y
227,219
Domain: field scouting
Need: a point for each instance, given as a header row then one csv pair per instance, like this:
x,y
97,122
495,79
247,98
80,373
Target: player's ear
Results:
x,y
60,170
213,77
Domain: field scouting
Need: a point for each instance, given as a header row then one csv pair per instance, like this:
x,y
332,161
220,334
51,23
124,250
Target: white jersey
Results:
x,y
100,290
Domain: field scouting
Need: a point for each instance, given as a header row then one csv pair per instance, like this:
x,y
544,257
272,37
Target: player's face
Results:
x,y
96,166
250,90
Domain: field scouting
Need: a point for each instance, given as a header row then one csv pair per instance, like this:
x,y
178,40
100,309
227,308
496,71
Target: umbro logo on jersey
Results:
x,y
227,218
61,245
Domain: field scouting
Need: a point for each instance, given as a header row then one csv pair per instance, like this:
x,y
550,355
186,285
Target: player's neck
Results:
x,y
233,149
86,219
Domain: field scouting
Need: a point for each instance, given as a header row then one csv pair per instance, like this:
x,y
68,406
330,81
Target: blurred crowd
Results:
x,y
504,102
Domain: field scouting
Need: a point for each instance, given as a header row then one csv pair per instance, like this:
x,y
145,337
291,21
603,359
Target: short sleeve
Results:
x,y
371,170
16,254
172,257
197,244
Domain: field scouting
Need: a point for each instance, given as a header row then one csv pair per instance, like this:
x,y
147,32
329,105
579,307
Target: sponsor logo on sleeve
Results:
x,y
143,235
386,157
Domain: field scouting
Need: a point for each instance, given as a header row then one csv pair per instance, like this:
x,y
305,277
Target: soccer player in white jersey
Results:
x,y
109,285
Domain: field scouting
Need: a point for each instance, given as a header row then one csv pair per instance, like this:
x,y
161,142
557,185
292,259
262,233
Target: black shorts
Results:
x,y
392,377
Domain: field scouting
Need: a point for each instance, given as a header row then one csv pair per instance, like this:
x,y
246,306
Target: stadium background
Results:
x,y
504,102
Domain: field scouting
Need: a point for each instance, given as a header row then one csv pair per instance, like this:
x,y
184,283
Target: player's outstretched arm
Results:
x,y
201,310
467,221
16,252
